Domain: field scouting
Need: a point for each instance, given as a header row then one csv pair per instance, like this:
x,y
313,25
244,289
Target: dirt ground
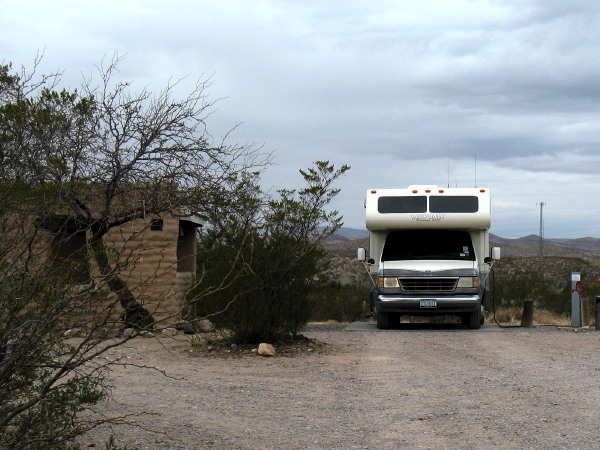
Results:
x,y
419,386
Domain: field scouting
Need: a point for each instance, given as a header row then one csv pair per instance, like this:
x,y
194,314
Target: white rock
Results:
x,y
266,350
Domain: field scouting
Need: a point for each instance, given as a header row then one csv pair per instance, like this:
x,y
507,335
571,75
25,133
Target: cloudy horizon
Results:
x,y
498,94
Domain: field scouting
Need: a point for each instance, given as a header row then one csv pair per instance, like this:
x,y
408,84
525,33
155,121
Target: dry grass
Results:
x,y
512,316
327,322
543,317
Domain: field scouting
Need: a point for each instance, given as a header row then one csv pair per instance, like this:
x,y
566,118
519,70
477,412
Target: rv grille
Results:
x,y
428,284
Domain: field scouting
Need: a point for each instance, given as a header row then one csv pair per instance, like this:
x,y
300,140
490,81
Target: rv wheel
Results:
x,y
383,320
475,320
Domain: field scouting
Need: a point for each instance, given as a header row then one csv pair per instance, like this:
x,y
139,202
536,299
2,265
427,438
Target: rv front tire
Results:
x,y
475,319
383,320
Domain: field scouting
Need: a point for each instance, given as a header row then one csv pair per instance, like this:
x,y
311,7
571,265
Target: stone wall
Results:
x,y
149,260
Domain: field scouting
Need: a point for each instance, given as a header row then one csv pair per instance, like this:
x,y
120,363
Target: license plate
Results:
x,y
428,303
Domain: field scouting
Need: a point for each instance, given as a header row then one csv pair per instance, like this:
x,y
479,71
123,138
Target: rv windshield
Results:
x,y
428,244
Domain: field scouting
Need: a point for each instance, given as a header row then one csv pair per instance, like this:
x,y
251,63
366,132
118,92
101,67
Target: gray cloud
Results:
x,y
405,92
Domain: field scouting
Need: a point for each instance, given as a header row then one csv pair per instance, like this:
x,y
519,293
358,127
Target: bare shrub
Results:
x,y
75,167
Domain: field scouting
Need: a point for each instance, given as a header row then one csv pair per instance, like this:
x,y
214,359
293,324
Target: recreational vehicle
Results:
x,y
428,253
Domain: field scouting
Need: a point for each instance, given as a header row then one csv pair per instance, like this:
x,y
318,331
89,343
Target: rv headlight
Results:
x,y
468,282
387,282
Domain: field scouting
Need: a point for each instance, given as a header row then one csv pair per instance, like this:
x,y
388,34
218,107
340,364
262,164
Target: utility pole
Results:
x,y
541,205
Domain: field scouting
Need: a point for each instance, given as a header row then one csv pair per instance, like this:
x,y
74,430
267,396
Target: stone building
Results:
x,y
156,257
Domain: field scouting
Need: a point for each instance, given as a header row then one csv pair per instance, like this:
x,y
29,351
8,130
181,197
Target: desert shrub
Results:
x,y
546,281
262,260
341,303
510,291
74,165
268,296
46,382
514,289
550,290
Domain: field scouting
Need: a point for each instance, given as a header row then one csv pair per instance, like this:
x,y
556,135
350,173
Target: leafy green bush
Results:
x,y
261,263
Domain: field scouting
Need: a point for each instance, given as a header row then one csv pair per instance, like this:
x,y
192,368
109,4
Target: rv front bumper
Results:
x,y
428,305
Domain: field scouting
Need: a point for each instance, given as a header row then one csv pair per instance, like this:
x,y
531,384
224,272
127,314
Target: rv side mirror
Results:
x,y
494,255
362,255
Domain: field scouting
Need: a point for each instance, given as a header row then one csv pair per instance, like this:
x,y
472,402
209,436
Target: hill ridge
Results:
x,y
587,247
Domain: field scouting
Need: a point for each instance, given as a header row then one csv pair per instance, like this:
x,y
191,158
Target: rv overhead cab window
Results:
x,y
428,244
413,204
453,204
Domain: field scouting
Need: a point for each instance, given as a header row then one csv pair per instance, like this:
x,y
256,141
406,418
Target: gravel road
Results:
x,y
420,386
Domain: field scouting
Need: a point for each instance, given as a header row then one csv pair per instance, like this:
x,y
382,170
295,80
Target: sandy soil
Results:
x,y
420,386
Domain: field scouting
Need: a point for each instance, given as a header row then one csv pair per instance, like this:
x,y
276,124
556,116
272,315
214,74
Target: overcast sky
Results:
x,y
501,94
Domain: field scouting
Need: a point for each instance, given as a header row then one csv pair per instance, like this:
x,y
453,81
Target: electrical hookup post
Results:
x,y
576,290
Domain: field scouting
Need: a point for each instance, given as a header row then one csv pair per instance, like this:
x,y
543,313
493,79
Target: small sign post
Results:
x,y
576,289
598,312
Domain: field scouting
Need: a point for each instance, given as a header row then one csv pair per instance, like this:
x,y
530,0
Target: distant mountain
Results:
x,y
526,241
346,240
587,247
530,246
345,268
352,233
587,243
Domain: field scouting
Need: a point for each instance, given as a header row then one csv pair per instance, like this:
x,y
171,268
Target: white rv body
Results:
x,y
428,252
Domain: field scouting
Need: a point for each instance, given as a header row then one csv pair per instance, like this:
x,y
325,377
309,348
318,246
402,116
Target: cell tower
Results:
x,y
541,205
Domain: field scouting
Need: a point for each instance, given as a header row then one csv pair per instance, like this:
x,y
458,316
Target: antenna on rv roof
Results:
x,y
448,163
475,168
